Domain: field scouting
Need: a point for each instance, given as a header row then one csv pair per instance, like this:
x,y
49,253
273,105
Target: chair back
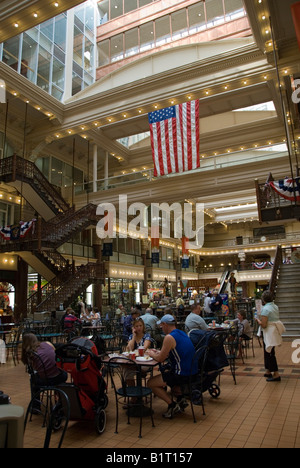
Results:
x,y
122,370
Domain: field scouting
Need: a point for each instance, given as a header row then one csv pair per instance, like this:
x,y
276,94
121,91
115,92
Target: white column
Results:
x,y
69,55
95,167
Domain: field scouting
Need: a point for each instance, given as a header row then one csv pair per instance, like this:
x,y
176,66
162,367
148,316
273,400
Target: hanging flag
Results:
x,y
17,231
260,265
287,188
155,244
185,253
25,227
296,18
175,138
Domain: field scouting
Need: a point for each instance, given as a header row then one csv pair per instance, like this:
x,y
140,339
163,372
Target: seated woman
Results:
x,y
243,325
139,337
47,373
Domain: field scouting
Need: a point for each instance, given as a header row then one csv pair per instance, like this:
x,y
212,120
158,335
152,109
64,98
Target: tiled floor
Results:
x,y
251,414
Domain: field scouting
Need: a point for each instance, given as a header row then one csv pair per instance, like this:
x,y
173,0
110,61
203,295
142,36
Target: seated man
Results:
x,y
70,320
194,320
179,349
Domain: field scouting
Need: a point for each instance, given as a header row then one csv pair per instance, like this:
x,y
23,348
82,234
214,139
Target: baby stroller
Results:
x,y
211,361
87,392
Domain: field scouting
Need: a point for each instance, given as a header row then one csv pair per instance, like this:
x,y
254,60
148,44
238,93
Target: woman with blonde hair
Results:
x,y
139,337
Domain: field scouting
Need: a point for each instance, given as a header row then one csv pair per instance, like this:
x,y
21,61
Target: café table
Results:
x,y
49,336
140,362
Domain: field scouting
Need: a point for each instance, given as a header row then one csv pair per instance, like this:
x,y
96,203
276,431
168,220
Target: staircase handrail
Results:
x,y
23,169
88,272
53,232
275,272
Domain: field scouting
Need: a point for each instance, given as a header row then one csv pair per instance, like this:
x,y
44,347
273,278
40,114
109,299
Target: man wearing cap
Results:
x,y
179,350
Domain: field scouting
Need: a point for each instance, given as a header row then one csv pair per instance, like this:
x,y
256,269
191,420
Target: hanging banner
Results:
x,y
107,250
185,263
296,18
17,231
260,265
155,244
287,188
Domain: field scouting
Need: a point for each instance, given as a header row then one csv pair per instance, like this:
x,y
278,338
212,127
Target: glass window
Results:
x,y
130,5
56,172
76,84
144,2
104,11
89,17
78,46
88,56
29,56
116,8
197,21
179,24
233,9
44,63
47,29
131,42
117,52
214,12
57,93
103,52
146,36
11,52
58,74
162,30
60,31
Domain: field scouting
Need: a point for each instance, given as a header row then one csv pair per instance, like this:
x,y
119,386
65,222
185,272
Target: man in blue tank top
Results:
x,y
179,350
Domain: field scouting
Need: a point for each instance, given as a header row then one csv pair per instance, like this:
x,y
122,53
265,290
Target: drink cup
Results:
x,y
132,355
141,350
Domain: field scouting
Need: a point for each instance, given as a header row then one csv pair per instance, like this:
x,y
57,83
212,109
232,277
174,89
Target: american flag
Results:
x,y
175,137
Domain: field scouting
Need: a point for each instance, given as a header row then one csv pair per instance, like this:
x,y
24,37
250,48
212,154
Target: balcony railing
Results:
x,y
210,163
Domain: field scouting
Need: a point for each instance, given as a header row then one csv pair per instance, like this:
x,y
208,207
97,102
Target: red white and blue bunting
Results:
x,y
19,231
260,265
287,188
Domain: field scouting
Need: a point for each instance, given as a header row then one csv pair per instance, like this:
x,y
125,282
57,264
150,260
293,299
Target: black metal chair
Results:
x,y
47,400
56,414
123,373
232,346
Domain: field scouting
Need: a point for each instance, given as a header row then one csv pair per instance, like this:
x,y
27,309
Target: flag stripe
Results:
x,y
175,138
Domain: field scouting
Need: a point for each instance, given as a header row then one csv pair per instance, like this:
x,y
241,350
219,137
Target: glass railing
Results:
x,y
221,161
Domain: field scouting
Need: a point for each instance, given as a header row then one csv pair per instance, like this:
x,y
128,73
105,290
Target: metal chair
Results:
x,y
135,397
47,400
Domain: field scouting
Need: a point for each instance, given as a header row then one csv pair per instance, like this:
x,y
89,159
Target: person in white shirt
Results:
x,y
207,302
194,320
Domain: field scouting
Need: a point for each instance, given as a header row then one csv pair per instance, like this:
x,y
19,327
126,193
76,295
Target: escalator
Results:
x,y
224,280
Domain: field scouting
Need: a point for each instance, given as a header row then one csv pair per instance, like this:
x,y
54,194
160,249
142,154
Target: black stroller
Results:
x,y
211,359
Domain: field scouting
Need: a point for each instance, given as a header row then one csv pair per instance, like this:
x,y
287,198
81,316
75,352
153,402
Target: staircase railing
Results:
x,y
16,168
276,269
69,290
